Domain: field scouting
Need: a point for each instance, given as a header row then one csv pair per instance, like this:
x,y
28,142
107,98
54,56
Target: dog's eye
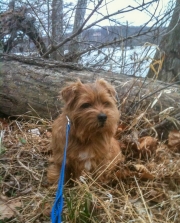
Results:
x,y
86,105
107,103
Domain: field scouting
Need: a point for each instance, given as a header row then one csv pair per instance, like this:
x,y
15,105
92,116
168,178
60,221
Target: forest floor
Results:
x,y
145,188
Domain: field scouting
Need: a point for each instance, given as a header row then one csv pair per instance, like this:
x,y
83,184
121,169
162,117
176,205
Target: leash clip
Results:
x,y
68,119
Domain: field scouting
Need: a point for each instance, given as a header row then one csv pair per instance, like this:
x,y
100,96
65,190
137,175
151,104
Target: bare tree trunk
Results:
x,y
48,23
57,27
169,56
78,21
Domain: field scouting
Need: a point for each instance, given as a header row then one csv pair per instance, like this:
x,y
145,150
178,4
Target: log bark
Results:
x,y
31,86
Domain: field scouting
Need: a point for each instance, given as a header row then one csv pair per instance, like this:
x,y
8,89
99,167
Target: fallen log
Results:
x,y
31,86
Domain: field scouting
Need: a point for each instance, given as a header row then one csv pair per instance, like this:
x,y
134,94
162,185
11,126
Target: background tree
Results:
x,y
57,27
166,62
75,43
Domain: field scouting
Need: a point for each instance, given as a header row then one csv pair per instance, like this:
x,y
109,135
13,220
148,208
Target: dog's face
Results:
x,y
91,108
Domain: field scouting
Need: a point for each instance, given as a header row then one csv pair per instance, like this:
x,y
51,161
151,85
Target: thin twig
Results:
x,y
25,167
143,200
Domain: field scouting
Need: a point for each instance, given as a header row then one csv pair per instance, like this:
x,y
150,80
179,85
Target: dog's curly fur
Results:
x,y
94,117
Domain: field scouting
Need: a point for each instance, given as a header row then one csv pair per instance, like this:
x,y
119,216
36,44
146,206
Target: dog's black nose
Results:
x,y
102,117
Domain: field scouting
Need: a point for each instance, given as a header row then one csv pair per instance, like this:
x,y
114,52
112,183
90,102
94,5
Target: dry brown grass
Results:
x,y
145,189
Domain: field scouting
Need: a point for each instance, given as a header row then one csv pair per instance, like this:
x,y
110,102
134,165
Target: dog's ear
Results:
x,y
69,93
111,90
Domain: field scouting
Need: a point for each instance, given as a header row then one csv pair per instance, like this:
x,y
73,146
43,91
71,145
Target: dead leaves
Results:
x,y
8,207
134,147
137,170
147,146
174,140
142,148
45,209
143,172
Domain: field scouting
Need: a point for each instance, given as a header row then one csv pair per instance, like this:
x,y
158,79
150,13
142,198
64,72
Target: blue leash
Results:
x,y
58,204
